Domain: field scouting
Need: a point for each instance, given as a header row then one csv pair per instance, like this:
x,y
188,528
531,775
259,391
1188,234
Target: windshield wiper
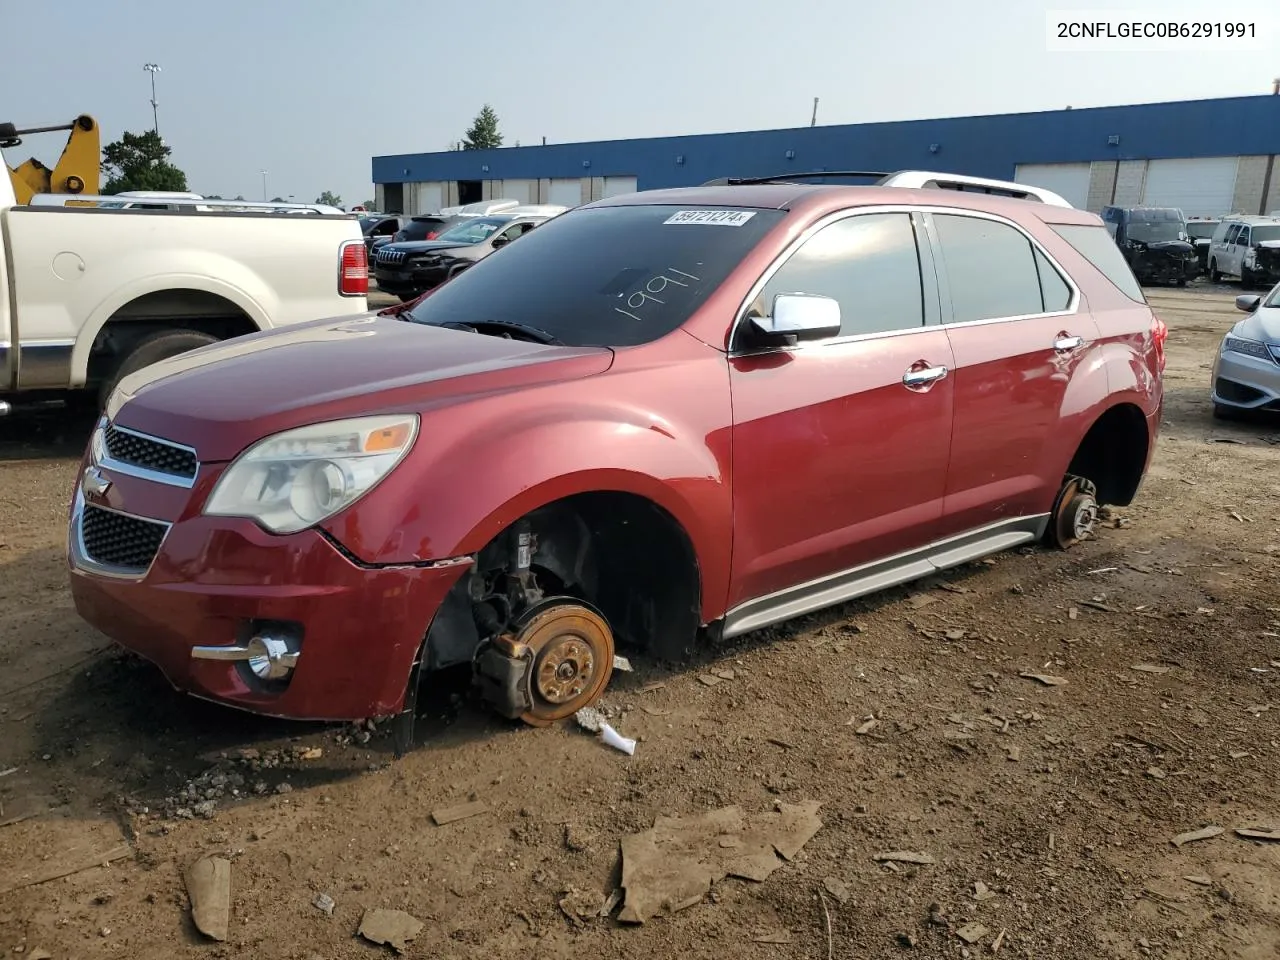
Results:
x,y
536,334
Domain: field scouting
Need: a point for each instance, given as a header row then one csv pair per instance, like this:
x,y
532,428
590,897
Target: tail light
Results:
x,y
353,269
431,234
1159,334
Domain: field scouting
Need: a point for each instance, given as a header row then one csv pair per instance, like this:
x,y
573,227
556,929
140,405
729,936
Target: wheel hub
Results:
x,y
564,669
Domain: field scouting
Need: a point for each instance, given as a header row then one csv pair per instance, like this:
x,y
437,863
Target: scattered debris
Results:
x,y
462,811
785,745
674,864
1151,668
324,903
622,664
209,887
777,936
1204,833
655,711
313,753
1239,754
1258,833
1046,679
78,863
610,903
725,674
590,719
972,932
867,727
1104,570
650,687
1155,773
5,773
1258,709
1097,605
394,928
903,856
1073,613
616,740
998,942
837,888
708,679
982,892
826,915
1200,880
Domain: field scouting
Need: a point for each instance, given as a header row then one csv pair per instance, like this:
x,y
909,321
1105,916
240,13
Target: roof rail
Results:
x,y
233,206
918,179
793,177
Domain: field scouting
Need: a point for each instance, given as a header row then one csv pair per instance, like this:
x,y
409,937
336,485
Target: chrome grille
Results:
x,y
391,256
118,540
136,450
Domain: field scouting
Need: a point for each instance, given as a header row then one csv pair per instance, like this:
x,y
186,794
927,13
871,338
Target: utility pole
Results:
x,y
153,69
813,121
264,184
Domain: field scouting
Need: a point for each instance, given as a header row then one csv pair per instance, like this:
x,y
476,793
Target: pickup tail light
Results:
x,y
353,269
1159,334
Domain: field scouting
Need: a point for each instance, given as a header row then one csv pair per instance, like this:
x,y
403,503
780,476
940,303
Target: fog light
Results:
x,y
270,658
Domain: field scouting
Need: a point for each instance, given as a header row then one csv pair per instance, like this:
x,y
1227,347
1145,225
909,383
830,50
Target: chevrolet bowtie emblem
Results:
x,y
93,483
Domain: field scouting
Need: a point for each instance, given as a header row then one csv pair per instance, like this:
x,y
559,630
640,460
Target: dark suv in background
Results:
x,y
1154,241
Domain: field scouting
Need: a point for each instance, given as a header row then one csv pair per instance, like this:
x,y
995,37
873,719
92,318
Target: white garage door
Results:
x,y
567,193
1069,180
429,197
521,190
613,186
1201,188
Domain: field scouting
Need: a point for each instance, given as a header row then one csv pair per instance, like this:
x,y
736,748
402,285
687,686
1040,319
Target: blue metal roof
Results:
x,y
989,146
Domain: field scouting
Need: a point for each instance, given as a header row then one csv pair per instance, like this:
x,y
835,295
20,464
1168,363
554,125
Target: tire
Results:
x,y
1214,275
152,349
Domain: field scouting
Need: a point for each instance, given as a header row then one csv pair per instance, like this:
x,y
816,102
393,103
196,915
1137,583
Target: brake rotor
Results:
x,y
1076,513
572,653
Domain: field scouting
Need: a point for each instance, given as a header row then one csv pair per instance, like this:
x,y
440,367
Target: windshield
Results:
x,y
1262,234
473,229
1153,231
1202,229
604,277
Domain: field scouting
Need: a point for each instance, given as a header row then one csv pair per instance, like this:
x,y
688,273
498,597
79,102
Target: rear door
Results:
x,y
1018,332
837,461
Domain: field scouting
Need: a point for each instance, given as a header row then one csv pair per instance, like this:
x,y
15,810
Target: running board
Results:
x,y
882,574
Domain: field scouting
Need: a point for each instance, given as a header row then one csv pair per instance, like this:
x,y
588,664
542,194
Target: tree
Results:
x,y
370,205
139,161
330,199
483,134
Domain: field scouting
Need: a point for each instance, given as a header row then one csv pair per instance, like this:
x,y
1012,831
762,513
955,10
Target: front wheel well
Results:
x,y
1113,454
620,552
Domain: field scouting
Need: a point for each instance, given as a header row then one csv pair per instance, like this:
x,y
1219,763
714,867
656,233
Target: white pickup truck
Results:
x,y
89,294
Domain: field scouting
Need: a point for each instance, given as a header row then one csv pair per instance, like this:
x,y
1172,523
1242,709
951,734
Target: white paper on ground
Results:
x,y
616,740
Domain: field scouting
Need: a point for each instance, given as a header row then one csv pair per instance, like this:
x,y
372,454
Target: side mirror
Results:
x,y
800,316
1248,303
500,242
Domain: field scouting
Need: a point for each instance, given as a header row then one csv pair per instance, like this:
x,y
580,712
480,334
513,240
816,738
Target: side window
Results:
x,y
1053,289
991,269
1242,237
1232,232
1092,243
868,263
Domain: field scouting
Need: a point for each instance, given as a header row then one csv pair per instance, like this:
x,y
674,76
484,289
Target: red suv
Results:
x,y
662,416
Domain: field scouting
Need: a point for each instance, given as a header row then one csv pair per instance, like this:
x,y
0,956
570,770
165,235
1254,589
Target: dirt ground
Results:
x,y
1060,801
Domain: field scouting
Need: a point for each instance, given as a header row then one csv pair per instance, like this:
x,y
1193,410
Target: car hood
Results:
x,y
1268,244
221,398
1263,324
1174,248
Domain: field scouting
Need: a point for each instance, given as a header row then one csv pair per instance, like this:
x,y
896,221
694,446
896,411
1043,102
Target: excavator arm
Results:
x,y
78,170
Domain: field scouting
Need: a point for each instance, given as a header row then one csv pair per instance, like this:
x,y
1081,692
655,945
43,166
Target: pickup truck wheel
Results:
x,y
152,349
571,647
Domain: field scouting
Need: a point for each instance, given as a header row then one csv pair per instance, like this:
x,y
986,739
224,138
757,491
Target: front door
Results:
x,y
836,460
1018,336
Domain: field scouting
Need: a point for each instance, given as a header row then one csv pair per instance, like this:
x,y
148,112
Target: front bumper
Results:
x,y
1165,270
1244,382
414,280
216,582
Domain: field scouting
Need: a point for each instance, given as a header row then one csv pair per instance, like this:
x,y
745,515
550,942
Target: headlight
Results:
x,y
1250,348
298,478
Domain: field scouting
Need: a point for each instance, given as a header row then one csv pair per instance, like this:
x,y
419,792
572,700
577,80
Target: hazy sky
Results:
x,y
310,90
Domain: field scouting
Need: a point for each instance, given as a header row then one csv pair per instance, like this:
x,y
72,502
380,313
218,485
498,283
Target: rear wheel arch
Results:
x,y
1113,453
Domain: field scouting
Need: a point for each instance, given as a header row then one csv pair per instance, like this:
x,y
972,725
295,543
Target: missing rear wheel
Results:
x,y
1075,513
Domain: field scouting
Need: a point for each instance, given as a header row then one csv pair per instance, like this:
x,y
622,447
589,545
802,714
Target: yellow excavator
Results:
x,y
78,170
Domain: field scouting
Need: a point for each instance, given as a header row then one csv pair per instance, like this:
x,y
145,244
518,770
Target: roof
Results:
x,y
824,198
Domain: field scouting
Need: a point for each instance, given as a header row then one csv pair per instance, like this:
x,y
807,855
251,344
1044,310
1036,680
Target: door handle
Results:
x,y
1064,343
923,377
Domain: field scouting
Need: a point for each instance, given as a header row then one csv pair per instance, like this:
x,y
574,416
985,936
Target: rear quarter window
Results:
x,y
1096,246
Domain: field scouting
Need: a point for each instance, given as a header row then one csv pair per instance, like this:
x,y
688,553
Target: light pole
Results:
x,y
153,69
264,184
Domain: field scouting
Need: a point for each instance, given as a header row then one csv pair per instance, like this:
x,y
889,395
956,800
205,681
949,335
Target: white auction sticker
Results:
x,y
718,218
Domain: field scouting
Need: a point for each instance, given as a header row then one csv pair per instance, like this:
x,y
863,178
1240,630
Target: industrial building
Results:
x,y
1209,157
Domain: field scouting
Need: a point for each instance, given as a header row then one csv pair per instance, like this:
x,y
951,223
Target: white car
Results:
x,y
1246,372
